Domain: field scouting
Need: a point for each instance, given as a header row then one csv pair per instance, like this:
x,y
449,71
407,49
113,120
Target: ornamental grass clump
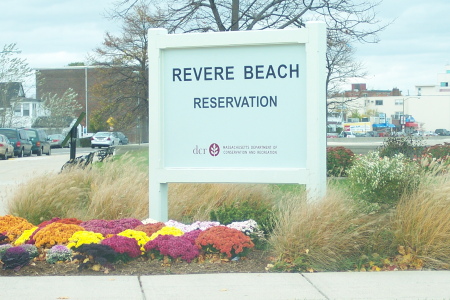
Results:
x,y
15,258
323,235
173,247
376,180
125,247
112,191
224,240
421,221
189,202
58,253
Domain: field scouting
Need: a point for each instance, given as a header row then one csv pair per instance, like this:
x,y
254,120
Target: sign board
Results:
x,y
237,107
358,127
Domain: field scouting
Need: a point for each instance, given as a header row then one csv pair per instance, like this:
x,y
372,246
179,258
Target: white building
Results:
x,y
429,107
16,110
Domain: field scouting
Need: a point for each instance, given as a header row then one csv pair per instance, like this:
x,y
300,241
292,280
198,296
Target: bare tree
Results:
x,y
347,22
13,68
348,17
125,63
62,106
13,72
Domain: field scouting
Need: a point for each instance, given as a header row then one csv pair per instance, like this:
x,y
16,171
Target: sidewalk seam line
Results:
x,y
317,289
141,287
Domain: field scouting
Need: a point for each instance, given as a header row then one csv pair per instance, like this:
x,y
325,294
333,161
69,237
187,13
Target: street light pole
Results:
x,y
403,118
86,96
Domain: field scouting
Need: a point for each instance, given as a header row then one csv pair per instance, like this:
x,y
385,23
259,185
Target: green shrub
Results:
x,y
410,146
339,160
382,180
242,211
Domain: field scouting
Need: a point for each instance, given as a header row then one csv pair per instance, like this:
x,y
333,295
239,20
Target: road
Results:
x,y
364,145
16,171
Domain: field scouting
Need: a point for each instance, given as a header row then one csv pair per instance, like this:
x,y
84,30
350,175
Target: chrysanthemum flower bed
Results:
x,y
99,244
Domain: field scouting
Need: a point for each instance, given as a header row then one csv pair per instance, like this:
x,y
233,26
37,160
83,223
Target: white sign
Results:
x,y
231,112
237,107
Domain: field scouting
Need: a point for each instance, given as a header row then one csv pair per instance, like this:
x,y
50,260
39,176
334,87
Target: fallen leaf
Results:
x,y
96,267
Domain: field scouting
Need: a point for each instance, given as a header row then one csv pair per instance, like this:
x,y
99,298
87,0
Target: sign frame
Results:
x,y
313,37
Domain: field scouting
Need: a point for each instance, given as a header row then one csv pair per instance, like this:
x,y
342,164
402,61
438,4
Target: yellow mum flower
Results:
x,y
140,236
84,237
25,236
167,230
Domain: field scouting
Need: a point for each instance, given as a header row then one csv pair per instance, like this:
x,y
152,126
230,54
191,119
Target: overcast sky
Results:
x,y
54,33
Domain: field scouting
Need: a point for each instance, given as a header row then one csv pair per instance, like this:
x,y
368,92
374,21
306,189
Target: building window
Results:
x,y
398,101
18,110
26,110
378,102
397,115
444,84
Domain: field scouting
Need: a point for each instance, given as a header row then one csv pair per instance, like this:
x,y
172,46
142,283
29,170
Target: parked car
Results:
x,y
6,148
38,137
443,132
347,134
104,139
372,134
123,138
20,140
56,140
429,133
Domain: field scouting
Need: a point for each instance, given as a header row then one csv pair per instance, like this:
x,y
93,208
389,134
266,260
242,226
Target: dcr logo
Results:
x,y
214,149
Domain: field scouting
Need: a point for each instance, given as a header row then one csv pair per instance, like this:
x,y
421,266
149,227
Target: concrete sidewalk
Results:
x,y
260,286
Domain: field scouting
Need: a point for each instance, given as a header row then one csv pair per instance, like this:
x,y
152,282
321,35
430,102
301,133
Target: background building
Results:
x,y
427,110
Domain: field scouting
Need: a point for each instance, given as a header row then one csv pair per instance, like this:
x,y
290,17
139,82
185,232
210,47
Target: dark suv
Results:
x,y
442,132
41,144
20,140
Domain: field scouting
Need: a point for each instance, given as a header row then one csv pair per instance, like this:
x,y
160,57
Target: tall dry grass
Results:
x,y
112,190
119,188
422,221
191,201
327,233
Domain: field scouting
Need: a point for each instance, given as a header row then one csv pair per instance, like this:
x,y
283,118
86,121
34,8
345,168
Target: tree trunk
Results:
x,y
235,15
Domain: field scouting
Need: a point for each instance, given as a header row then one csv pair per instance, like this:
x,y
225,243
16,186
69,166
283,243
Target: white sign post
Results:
x,y
237,107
